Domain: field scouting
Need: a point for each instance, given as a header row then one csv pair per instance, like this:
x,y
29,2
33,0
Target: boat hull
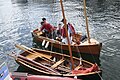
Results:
x,y
83,77
93,48
37,68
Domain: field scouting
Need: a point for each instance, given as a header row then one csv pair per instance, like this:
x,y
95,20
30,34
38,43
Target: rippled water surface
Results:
x,y
19,17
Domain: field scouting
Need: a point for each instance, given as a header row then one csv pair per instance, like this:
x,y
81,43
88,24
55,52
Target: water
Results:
x,y
19,18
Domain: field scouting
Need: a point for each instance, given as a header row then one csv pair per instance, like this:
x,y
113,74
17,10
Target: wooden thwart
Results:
x,y
57,63
30,56
78,67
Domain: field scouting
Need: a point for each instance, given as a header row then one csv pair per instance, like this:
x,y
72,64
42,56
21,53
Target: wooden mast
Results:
x,y
84,1
69,46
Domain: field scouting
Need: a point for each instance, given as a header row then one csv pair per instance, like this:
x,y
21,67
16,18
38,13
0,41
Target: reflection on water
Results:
x,y
18,19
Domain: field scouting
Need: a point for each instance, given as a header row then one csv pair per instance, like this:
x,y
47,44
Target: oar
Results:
x,y
29,50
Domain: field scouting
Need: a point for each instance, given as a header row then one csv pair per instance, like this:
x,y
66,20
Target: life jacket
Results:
x,y
71,28
68,26
63,32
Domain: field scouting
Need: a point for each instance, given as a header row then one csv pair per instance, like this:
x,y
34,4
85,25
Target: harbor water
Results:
x,y
19,17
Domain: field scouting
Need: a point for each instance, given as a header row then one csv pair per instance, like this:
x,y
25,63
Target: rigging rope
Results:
x,y
85,14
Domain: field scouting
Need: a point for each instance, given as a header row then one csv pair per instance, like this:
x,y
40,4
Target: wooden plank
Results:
x,y
78,67
64,69
44,55
57,63
32,56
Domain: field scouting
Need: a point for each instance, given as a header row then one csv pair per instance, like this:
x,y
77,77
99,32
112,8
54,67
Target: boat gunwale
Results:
x,y
58,42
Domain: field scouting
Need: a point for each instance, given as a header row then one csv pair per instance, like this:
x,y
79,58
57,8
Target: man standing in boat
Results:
x,y
71,31
49,29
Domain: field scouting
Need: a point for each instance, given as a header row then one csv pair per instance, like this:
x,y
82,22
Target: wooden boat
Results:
x,y
90,46
89,49
84,47
26,76
6,75
56,64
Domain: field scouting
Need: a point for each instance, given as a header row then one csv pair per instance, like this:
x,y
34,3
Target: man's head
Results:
x,y
42,23
43,19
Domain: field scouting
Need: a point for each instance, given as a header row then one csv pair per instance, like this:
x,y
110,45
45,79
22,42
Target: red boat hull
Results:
x,y
25,76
